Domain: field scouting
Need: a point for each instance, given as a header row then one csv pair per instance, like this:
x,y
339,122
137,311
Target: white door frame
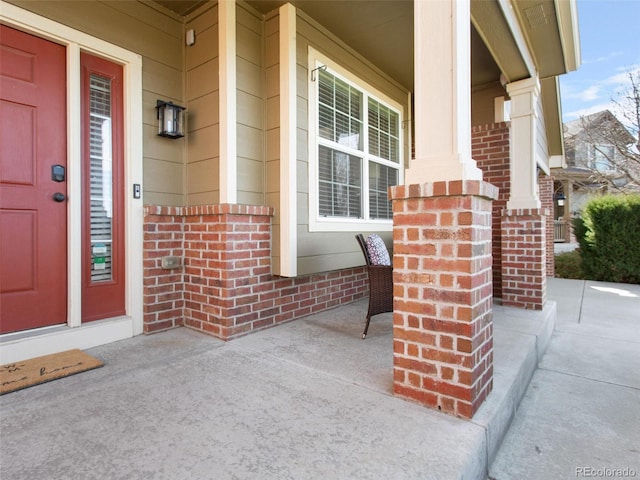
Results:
x,y
42,341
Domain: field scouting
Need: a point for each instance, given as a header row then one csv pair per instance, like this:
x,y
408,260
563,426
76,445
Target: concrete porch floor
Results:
x,y
308,399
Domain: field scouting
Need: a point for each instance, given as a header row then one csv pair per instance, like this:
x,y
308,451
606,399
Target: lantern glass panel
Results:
x,y
170,119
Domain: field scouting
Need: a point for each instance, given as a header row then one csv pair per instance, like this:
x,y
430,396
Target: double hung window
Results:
x,y
355,153
603,157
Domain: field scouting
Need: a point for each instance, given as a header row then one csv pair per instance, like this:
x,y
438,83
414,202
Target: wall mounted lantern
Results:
x,y
560,198
170,119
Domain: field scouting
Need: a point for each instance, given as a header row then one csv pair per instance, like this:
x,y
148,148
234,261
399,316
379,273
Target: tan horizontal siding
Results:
x,y
203,119
250,111
156,35
323,251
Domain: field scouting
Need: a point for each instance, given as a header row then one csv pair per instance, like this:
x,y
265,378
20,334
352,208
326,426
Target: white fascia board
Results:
x,y
518,36
567,14
557,161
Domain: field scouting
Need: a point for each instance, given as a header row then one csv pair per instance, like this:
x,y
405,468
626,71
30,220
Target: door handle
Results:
x,y
59,197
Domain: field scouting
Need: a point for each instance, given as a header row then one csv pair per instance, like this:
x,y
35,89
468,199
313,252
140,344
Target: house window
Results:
x,y
356,152
100,164
603,157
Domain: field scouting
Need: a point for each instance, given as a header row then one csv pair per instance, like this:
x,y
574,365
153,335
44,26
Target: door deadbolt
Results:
x,y
57,173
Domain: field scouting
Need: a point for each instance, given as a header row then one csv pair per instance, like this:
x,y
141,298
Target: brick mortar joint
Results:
x,y
491,127
213,209
525,212
446,188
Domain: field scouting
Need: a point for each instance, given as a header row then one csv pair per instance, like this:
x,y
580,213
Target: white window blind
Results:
x,y
358,151
100,185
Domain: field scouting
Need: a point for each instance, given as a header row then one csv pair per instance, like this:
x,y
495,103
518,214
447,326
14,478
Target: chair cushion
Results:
x,y
378,254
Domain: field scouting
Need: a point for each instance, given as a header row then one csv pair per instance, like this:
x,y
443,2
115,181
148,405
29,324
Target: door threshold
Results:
x,y
8,337
19,346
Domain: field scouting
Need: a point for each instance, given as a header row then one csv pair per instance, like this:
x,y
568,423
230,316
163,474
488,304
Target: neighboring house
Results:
x,y
302,120
595,147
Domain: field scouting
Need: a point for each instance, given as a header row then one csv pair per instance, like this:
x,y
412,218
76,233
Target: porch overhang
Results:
x,y
529,37
524,38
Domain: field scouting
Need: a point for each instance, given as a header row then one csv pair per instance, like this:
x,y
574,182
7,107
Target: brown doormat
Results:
x,y
26,373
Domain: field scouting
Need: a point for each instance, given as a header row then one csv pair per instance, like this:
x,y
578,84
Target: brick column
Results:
x,y
228,252
545,185
524,273
490,149
443,330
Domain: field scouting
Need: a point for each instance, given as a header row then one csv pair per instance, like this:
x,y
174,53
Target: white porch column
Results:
x,y
288,158
227,78
524,188
442,315
442,93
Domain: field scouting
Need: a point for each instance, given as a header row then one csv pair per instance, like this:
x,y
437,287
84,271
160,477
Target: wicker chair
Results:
x,y
380,286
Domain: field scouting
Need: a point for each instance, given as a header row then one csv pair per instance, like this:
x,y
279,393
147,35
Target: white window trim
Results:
x,y
52,339
334,224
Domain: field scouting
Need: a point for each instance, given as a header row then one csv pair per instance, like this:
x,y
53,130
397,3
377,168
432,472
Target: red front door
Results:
x,y
33,187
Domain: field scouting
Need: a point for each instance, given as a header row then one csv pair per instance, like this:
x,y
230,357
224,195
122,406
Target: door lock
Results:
x,y
57,173
59,197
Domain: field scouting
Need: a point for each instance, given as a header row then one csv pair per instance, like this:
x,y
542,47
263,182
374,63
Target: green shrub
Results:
x,y
579,228
609,237
569,265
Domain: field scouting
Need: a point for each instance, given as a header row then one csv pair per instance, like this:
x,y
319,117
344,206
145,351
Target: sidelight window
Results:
x,y
100,184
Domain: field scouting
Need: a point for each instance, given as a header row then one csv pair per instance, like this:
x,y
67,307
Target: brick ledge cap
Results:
x,y
446,188
216,209
525,212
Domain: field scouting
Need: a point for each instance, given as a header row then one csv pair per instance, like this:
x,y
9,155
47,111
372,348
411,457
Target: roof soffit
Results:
x,y
181,7
529,37
489,20
539,24
550,93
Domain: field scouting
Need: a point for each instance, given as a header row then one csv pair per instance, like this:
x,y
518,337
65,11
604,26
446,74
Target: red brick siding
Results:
x,y
226,282
545,183
490,150
163,289
443,330
524,246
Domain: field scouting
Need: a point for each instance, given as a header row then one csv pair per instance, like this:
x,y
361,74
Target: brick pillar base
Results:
x,y
524,271
545,185
443,330
227,251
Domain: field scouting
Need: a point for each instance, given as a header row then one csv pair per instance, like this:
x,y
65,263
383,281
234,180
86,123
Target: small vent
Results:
x,y
536,16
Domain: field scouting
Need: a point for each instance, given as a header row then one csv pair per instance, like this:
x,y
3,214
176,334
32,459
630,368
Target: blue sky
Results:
x,y
610,44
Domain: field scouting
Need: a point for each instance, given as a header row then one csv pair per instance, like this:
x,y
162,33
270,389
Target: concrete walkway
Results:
x,y
564,247
310,399
580,416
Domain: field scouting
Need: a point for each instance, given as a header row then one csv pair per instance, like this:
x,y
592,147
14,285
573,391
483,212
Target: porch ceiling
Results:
x,y
181,7
382,31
